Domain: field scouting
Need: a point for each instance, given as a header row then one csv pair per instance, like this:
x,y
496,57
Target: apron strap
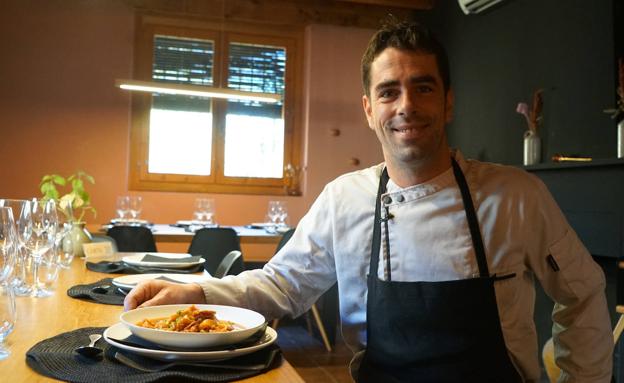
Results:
x,y
473,222
376,246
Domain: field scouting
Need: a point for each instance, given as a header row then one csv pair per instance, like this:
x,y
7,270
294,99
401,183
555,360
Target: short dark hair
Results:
x,y
409,36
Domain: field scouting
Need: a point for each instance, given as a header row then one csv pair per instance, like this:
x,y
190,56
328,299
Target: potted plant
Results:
x,y
73,205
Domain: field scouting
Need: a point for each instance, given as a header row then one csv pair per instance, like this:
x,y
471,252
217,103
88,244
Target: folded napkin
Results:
x,y
102,291
55,358
156,258
124,268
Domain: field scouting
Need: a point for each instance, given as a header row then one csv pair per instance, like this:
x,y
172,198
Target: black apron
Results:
x,y
434,331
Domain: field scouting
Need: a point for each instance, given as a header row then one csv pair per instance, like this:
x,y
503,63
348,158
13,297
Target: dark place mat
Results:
x,y
55,358
156,258
124,268
102,291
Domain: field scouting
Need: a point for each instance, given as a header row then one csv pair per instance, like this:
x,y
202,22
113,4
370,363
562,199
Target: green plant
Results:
x,y
77,200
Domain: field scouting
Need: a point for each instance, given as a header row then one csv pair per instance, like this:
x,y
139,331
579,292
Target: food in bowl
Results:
x,y
245,322
190,319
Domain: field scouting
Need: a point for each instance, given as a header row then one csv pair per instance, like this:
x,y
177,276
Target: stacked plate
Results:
x,y
162,260
128,282
250,334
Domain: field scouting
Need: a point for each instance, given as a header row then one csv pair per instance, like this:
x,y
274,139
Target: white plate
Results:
x,y
135,260
246,323
127,282
119,331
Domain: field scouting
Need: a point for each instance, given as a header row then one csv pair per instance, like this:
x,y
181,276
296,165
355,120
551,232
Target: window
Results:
x,y
186,143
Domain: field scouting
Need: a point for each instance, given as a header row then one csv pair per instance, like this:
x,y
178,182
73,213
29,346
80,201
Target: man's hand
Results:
x,y
155,292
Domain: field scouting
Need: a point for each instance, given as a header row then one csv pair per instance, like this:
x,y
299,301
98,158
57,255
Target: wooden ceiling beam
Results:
x,y
352,13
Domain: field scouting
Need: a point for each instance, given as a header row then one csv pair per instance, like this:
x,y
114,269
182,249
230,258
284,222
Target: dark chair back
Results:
x,y
133,238
213,244
285,237
227,263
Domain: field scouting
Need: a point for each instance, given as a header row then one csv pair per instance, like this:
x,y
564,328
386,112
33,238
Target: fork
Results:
x,y
150,366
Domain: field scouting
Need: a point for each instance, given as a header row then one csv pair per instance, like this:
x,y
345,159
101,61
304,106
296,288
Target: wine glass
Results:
x,y
21,213
63,242
123,207
8,316
135,204
282,210
204,211
38,235
8,244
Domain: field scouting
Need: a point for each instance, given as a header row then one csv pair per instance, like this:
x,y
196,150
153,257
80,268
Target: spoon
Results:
x,y
90,351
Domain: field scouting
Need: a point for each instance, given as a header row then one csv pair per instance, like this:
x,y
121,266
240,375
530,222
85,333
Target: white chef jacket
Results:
x,y
430,240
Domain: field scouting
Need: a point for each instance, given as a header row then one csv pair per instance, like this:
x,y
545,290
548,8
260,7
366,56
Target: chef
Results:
x,y
435,255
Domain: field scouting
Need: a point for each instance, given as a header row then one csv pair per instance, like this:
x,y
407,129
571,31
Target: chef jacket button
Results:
x,y
386,199
400,198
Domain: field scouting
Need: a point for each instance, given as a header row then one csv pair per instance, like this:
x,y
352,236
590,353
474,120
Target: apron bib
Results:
x,y
434,331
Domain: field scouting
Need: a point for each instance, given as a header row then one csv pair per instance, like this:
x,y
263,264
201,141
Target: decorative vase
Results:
x,y
79,235
620,139
532,148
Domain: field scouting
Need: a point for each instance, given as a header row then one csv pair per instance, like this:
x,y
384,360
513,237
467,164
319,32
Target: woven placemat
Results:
x,y
102,291
124,268
55,358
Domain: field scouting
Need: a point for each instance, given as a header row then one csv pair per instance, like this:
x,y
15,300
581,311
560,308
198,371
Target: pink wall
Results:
x,y
60,111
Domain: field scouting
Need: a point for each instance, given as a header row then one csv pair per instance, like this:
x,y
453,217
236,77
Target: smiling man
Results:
x,y
435,255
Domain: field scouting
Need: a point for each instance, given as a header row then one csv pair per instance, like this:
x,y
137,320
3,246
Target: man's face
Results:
x,y
408,107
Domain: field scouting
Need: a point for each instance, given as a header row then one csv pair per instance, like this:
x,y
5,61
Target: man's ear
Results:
x,y
368,110
449,106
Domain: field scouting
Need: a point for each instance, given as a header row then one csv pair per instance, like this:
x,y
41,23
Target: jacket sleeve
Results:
x,y
293,279
581,325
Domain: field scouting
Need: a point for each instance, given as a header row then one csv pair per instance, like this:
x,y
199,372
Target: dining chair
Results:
x,y
232,258
133,238
548,352
214,244
315,313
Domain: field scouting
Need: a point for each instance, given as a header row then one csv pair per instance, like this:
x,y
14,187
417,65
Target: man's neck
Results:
x,y
413,174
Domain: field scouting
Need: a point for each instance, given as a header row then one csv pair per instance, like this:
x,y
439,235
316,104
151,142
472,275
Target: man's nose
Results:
x,y
407,104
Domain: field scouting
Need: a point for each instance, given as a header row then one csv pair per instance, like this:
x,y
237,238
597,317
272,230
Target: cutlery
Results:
x,y
122,291
150,365
90,351
102,289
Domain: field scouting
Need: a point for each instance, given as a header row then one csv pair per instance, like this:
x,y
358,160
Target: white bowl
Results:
x,y
246,322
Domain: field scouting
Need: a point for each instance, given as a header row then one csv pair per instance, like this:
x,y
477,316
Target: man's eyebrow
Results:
x,y
425,79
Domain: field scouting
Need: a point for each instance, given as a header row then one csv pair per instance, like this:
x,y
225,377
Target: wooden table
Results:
x,y
41,318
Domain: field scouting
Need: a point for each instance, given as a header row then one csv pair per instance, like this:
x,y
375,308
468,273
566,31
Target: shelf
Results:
x,y
574,165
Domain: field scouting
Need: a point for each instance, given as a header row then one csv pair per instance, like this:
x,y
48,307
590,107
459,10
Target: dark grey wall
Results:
x,y
498,58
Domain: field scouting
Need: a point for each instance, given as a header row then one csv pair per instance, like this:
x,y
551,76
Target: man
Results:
x,y
450,247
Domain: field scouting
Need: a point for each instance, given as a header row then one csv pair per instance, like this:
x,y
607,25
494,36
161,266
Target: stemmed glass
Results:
x,y
63,242
135,207
21,214
38,237
8,250
8,316
123,207
204,211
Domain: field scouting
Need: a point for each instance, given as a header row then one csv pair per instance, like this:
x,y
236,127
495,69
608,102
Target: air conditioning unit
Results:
x,y
476,6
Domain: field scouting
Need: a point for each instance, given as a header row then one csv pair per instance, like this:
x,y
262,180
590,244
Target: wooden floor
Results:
x,y
308,355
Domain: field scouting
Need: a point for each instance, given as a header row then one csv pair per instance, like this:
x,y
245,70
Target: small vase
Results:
x,y
79,235
620,139
532,148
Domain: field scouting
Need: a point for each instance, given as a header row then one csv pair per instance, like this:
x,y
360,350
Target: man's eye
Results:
x,y
424,89
388,93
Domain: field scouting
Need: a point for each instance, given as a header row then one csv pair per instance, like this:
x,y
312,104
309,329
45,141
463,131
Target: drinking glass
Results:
x,y
47,272
8,316
135,204
123,207
204,211
63,243
277,212
38,237
21,214
8,244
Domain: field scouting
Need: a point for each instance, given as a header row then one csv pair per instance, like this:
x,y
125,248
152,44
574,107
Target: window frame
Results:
x,y
289,37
